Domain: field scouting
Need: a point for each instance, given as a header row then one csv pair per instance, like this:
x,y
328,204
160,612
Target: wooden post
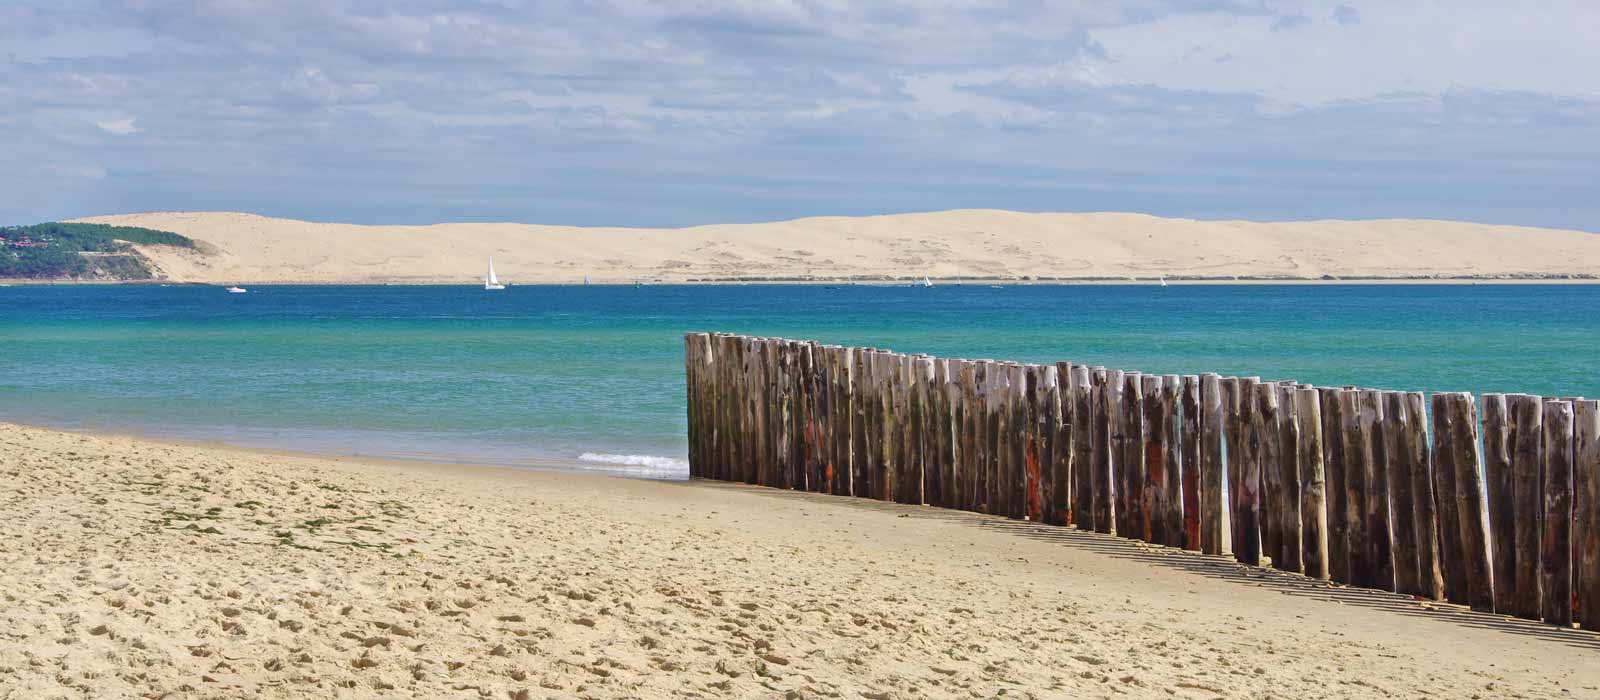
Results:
x,y
1291,557
1502,509
860,470
1152,525
1525,437
1430,577
1104,400
936,431
1356,488
1136,524
994,443
1084,410
1313,487
1463,426
1586,513
1247,548
1334,465
1380,541
967,451
1396,424
1054,455
1189,441
1453,551
1171,472
1233,434
1556,547
1017,485
1032,476
1061,405
1211,464
1271,459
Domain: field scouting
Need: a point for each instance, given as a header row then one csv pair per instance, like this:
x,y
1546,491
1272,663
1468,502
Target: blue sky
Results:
x,y
628,112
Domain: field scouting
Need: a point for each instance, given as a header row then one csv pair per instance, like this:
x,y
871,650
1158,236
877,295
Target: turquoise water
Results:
x,y
538,373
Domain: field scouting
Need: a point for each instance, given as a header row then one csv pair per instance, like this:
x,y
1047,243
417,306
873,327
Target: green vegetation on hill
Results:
x,y
82,251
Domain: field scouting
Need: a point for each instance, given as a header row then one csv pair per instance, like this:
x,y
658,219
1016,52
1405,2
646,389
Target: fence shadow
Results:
x,y
1216,567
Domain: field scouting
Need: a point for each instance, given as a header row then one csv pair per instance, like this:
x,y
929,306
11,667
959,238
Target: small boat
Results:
x,y
237,290
490,282
1163,280
926,282
586,281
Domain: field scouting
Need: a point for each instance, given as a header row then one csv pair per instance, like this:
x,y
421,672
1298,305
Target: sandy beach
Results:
x,y
970,244
135,568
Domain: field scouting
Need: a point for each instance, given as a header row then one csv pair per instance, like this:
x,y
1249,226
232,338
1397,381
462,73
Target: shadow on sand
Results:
x,y
1216,567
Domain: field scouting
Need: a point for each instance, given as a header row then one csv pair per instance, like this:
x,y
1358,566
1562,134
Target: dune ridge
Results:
x,y
977,244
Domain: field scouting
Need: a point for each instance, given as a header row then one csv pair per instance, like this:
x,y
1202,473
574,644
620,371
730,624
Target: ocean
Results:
x,y
592,377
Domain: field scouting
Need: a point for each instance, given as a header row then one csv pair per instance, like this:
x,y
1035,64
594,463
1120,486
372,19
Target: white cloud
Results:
x,y
120,127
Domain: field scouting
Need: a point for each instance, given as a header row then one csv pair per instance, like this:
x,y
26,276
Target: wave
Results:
x,y
650,461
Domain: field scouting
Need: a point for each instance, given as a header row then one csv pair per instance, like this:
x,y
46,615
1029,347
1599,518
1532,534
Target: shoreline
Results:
x,y
883,282
537,463
140,567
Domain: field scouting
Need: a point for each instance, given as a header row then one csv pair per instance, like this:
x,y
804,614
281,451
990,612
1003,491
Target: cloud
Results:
x,y
120,127
638,112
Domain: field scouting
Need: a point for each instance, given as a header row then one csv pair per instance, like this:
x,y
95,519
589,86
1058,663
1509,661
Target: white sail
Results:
x,y
489,280
926,282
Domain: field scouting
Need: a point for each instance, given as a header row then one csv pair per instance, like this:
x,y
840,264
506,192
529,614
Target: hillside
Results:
x,y
965,243
83,251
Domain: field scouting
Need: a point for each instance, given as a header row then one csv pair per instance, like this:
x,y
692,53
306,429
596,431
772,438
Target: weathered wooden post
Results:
x,y
1338,507
1233,432
1247,548
1502,509
1290,556
1084,410
1053,457
1397,422
1151,477
1267,420
1017,483
1130,460
1172,462
1525,436
1189,458
1211,464
967,481
1104,402
1313,487
865,454
1430,577
1556,552
1380,542
1454,552
1463,426
1586,513
1362,568
1060,404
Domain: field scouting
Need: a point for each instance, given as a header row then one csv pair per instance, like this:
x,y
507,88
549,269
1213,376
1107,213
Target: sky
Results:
x,y
646,113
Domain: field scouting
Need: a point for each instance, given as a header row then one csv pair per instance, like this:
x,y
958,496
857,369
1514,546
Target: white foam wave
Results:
x,y
650,461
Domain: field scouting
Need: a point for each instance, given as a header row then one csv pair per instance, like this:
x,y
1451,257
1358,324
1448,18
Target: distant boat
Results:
x,y
926,282
586,281
490,282
1163,280
237,290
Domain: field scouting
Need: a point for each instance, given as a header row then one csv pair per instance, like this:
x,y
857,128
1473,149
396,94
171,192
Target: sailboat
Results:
x,y
1163,280
490,282
926,282
586,281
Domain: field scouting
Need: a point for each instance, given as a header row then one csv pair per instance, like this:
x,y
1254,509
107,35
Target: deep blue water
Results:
x,y
532,373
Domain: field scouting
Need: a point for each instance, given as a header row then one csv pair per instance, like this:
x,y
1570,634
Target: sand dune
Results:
x,y
133,568
966,243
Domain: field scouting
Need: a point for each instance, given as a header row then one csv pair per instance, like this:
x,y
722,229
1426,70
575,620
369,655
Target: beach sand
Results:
x,y
971,243
135,568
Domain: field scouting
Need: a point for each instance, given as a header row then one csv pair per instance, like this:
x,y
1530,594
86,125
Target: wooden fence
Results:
x,y
1379,489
